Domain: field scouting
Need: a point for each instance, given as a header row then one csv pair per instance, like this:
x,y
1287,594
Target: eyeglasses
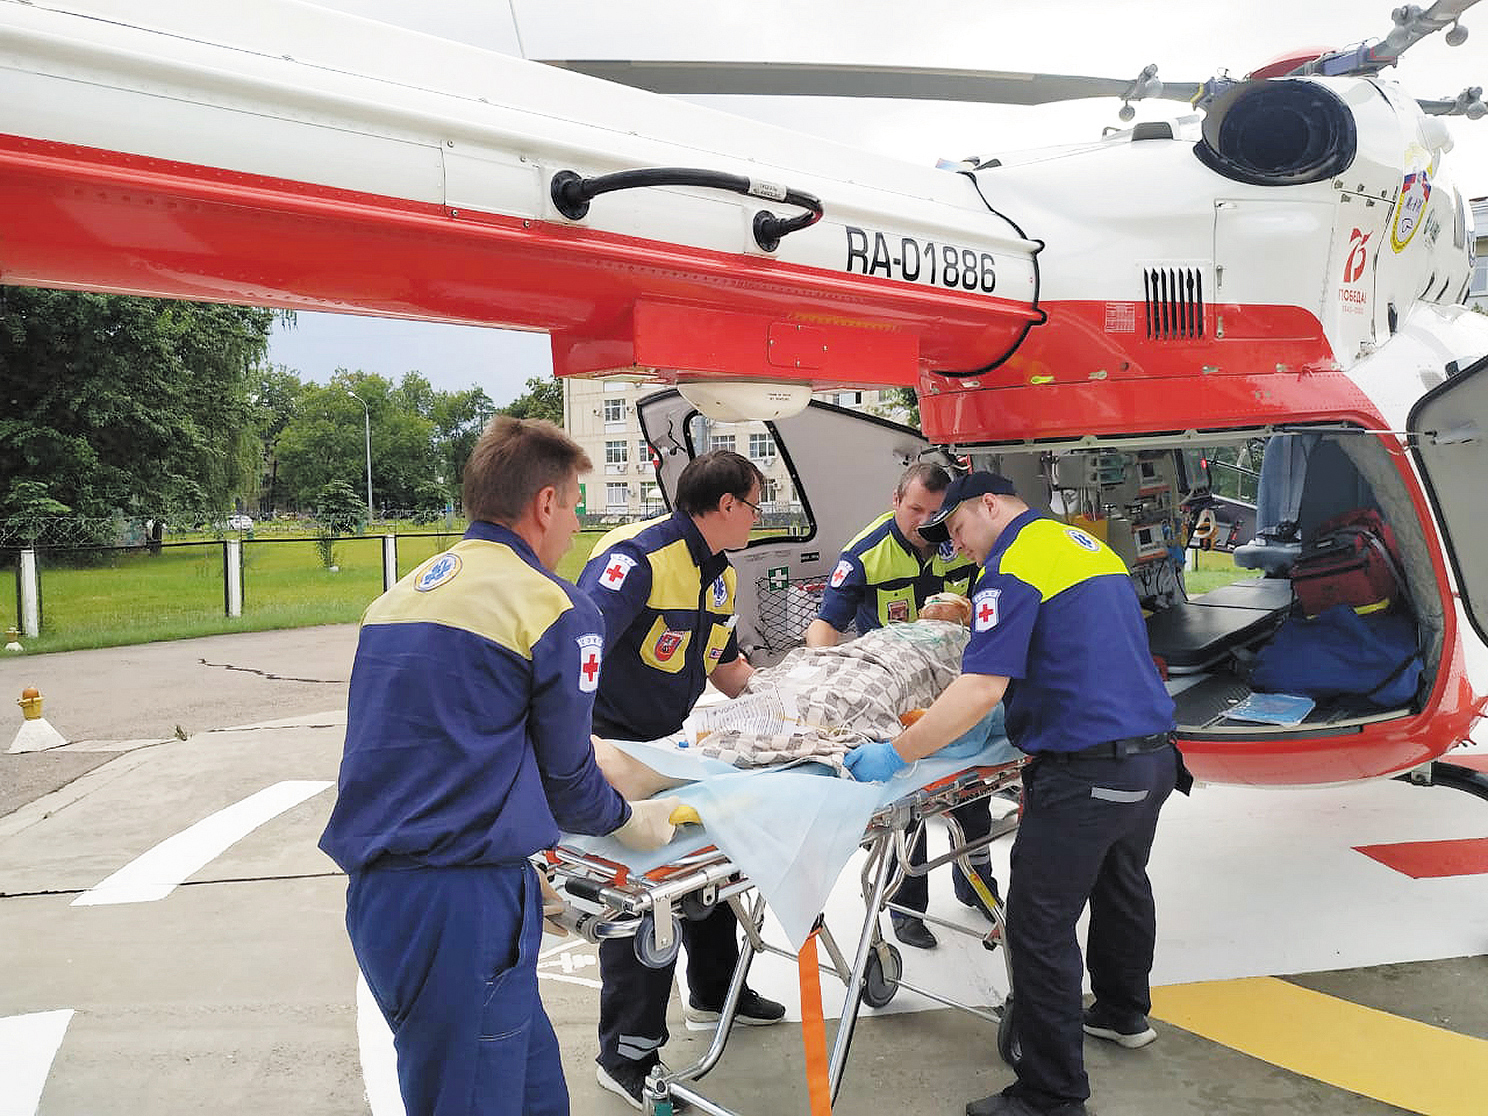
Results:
x,y
755,508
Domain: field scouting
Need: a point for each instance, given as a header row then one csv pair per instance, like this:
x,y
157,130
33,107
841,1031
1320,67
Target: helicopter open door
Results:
x,y
828,472
1448,425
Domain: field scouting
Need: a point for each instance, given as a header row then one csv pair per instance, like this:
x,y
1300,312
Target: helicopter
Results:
x,y
1284,264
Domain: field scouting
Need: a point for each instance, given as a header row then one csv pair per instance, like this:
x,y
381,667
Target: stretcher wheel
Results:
x,y
881,976
647,952
1005,1034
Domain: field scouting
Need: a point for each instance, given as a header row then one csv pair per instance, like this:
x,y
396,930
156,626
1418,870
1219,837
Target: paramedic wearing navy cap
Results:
x,y
666,589
467,749
886,574
1057,629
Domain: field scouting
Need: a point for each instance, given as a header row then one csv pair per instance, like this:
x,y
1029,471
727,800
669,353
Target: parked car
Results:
x,y
240,522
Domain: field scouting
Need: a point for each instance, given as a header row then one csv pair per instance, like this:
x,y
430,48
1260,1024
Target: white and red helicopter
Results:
x,y
1090,319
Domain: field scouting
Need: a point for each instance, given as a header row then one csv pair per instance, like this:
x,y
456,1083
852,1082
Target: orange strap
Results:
x,y
814,1031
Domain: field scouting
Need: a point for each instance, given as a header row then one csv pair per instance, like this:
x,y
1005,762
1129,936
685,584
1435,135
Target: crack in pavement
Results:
x,y
273,677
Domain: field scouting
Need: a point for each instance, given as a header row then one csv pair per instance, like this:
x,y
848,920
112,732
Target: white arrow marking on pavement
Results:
x,y
379,1057
28,1044
155,874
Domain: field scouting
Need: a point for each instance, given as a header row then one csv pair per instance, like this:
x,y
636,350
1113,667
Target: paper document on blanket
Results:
x,y
757,714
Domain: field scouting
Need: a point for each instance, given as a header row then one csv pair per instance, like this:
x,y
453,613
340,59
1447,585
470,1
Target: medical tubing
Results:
x,y
572,192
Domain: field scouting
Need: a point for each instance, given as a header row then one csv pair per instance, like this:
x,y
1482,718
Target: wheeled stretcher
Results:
x,y
615,893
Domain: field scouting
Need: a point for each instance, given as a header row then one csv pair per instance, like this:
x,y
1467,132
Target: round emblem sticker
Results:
x,y
438,572
1081,539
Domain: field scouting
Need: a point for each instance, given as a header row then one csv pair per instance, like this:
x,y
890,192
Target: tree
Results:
x,y
543,399
339,510
129,404
324,442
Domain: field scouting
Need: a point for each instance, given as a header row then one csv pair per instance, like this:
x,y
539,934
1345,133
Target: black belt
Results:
x,y
1116,749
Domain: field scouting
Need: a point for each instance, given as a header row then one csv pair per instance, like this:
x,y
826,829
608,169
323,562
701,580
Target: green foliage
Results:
x,y
129,404
326,440
339,510
28,510
543,399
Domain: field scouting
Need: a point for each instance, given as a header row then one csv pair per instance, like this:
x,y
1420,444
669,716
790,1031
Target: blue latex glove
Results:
x,y
873,762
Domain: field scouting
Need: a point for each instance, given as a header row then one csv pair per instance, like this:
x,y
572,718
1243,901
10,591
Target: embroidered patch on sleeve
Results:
x,y
616,567
984,610
590,647
839,575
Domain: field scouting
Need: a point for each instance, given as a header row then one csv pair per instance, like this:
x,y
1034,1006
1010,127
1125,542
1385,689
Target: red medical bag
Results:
x,y
1350,560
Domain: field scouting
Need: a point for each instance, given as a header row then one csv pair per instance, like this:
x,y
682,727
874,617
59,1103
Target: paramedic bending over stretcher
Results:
x,y
467,747
1056,627
885,574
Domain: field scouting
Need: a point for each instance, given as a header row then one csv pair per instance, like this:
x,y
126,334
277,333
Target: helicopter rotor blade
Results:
x,y
795,79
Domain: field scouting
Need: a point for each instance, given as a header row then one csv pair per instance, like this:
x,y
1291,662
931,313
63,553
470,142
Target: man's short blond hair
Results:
x,y
512,462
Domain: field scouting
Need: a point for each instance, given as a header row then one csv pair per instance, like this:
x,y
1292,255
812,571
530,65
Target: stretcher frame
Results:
x,y
614,902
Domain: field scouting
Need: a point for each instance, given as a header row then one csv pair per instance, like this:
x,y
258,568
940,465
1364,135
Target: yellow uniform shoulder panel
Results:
x,y
481,587
1052,556
622,533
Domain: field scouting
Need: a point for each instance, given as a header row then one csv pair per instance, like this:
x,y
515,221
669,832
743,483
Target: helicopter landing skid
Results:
x,y
1442,774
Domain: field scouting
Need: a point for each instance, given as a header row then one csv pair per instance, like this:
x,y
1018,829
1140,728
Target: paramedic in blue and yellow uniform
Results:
x,y
1057,630
467,749
666,590
885,575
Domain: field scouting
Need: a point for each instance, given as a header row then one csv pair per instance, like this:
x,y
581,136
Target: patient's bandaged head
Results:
x,y
816,703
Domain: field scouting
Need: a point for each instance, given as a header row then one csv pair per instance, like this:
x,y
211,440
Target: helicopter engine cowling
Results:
x,y
1278,133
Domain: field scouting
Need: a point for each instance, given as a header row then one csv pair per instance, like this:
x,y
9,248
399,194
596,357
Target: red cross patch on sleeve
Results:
x,y
590,647
616,566
839,575
984,610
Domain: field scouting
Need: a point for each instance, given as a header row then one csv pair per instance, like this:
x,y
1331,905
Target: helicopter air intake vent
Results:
x,y
1277,133
1175,303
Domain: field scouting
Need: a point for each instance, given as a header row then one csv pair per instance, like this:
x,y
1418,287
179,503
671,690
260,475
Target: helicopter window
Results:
x,y
783,513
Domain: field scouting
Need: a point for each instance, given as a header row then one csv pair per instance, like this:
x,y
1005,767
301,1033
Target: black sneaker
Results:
x,y
967,894
913,932
1133,1033
628,1081
754,1011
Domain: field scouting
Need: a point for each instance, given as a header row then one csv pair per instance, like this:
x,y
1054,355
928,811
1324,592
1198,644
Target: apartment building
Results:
x,y
601,416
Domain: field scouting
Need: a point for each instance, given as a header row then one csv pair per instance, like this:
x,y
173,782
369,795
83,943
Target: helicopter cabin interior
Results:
x,y
1143,496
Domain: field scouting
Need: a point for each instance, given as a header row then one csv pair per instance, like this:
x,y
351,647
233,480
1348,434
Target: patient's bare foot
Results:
x,y
628,775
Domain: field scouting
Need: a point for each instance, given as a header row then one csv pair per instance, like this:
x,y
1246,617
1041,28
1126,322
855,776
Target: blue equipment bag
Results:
x,y
1341,653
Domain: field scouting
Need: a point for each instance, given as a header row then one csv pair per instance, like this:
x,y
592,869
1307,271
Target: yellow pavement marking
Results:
x,y
1411,1065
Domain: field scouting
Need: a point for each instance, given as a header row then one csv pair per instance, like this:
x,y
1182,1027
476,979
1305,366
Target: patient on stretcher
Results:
x,y
817,703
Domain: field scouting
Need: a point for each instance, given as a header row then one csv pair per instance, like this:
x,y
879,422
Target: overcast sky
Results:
x,y
1189,41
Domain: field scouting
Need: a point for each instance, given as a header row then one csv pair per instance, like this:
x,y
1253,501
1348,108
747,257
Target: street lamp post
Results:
x,y
367,426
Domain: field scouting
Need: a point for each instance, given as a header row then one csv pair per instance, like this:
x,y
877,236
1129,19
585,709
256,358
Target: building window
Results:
x,y
721,442
643,454
615,457
1478,288
769,491
614,410
849,399
616,497
762,447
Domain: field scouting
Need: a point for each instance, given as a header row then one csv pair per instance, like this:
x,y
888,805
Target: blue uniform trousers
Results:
x,y
975,819
1086,834
633,999
450,955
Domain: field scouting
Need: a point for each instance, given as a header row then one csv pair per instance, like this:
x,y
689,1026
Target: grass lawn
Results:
x,y
1214,568
115,598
